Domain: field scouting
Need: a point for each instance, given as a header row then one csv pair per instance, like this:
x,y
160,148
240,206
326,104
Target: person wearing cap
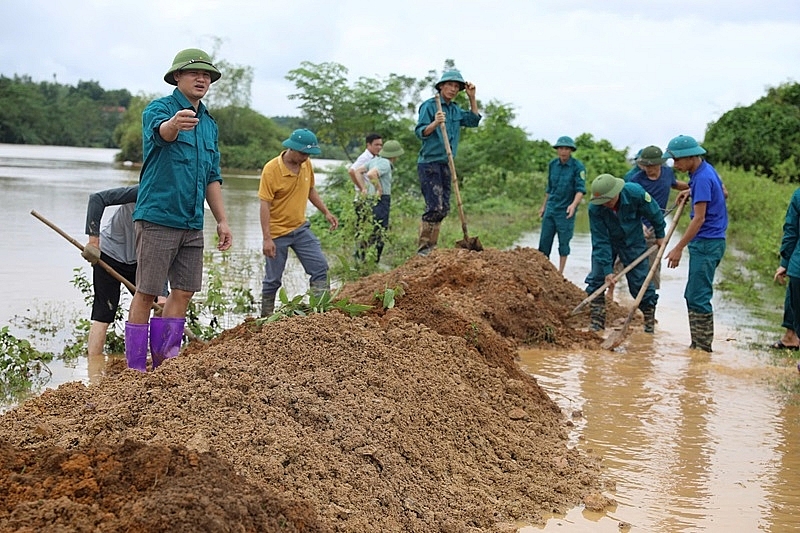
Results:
x,y
659,180
566,185
705,236
616,209
432,164
636,166
376,186
286,186
180,174
789,267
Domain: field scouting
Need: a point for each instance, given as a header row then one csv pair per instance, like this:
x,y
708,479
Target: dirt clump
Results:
x,y
414,418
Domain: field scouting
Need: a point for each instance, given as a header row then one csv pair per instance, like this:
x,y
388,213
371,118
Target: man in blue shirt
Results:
x,y
432,164
657,179
705,236
566,185
180,173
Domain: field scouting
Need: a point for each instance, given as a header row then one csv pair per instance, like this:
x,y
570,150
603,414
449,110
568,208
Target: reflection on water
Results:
x,y
693,441
38,265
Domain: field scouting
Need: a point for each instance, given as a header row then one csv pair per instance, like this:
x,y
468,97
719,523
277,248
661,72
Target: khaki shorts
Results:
x,y
165,253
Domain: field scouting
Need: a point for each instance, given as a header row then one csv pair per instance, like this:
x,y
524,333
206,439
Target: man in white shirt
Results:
x,y
374,145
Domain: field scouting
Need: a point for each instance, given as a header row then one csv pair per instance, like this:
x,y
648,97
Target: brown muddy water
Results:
x,y
693,441
37,265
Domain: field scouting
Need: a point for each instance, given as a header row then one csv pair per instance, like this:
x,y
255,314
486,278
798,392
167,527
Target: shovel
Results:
x,y
116,275
468,243
616,338
618,277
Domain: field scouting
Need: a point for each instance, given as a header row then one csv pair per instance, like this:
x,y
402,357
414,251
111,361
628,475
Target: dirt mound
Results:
x,y
139,489
414,418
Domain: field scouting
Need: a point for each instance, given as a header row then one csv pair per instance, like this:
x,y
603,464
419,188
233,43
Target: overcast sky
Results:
x,y
632,72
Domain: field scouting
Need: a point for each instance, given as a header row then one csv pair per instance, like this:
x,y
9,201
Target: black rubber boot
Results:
x,y
649,319
267,305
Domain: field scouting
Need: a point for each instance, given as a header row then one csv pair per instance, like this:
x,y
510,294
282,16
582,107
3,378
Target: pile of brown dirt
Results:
x,y
414,418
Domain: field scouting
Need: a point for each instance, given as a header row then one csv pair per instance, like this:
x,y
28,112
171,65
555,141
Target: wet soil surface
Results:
x,y
415,418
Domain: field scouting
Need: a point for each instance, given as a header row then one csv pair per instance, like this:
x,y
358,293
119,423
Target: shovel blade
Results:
x,y
614,340
470,243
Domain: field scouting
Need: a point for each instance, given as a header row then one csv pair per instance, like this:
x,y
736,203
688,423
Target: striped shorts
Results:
x,y
165,253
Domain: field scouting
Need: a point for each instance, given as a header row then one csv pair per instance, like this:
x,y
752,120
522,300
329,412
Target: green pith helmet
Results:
x,y
565,141
451,75
604,188
651,156
304,141
192,59
391,149
683,146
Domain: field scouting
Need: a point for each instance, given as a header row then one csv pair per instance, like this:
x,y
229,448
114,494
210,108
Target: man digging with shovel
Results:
x,y
433,163
616,210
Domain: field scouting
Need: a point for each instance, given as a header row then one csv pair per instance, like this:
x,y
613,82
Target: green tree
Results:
x,y
600,157
23,111
763,137
247,139
128,134
234,88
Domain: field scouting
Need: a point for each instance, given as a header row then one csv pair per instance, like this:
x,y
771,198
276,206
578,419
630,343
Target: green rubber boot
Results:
x,y
598,314
649,319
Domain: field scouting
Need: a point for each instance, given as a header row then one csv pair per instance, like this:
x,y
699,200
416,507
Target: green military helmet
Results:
x,y
391,149
451,75
565,141
192,59
604,188
683,146
651,156
303,140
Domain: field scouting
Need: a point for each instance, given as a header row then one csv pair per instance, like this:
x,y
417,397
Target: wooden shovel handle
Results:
x,y
452,164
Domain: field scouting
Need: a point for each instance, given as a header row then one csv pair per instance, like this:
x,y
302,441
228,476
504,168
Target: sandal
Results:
x,y
780,346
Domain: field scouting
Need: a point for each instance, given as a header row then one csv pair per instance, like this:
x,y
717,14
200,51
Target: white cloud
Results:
x,y
632,72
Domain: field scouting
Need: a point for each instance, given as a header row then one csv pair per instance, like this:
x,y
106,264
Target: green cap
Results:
x,y
192,59
604,188
303,140
566,142
683,146
451,75
391,149
651,156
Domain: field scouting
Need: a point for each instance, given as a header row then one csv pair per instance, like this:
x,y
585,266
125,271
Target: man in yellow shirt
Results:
x,y
286,186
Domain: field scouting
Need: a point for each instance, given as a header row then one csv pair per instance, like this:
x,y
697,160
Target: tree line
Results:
x,y
763,137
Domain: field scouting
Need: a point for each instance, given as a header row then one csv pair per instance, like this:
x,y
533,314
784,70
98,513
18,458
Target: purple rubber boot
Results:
x,y
136,346
166,336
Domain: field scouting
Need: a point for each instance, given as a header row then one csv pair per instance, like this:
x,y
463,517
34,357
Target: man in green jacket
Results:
x,y
180,173
566,185
432,163
616,210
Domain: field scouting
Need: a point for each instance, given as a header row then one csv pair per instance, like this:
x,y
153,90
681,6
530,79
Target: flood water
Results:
x,y
693,441
37,266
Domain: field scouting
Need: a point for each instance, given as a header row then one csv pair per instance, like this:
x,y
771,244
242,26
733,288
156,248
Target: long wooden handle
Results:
x,y
652,271
616,278
108,268
452,165
116,275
